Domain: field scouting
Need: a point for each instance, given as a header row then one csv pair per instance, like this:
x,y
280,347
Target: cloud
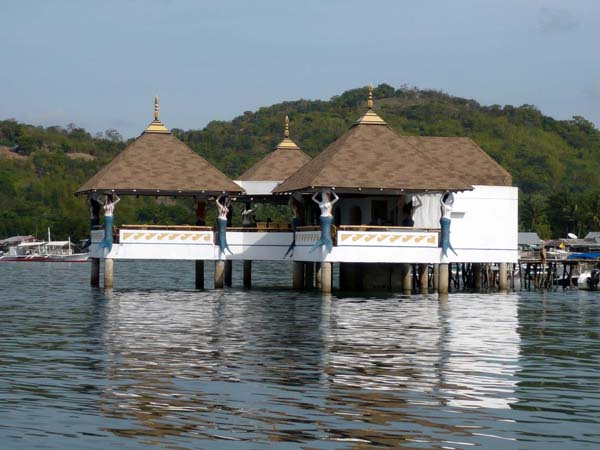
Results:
x,y
553,21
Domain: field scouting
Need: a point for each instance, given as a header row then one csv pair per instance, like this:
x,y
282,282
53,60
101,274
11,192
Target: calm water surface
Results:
x,y
154,363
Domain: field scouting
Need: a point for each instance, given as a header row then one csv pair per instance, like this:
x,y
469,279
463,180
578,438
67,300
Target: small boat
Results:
x,y
44,251
589,280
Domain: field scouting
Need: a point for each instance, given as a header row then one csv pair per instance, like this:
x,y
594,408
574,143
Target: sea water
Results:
x,y
156,363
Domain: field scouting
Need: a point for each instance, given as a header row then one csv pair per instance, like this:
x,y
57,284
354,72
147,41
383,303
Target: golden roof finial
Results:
x,y
370,117
286,132
156,126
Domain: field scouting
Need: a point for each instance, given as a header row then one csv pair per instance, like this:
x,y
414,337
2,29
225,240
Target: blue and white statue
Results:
x,y
110,201
328,199
446,202
223,204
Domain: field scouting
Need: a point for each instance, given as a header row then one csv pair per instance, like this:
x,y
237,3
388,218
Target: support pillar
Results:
x,y
406,279
318,276
298,276
309,275
199,274
444,278
512,276
436,277
228,272
108,272
424,278
95,272
326,277
502,280
477,276
247,274
219,274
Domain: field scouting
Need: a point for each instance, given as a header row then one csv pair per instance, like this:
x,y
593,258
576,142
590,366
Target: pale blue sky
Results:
x,y
99,64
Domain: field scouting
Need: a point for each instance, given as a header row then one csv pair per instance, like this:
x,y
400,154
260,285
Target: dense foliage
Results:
x,y
555,163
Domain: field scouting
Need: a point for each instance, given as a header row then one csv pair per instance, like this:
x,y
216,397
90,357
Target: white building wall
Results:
x,y
484,229
485,224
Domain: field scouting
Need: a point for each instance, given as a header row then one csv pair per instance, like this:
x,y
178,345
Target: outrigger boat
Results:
x,y
44,251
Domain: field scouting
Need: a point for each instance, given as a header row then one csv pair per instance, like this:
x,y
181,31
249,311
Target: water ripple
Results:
x,y
155,363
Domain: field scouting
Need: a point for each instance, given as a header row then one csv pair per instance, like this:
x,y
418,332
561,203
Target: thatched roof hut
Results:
x,y
371,157
157,163
279,164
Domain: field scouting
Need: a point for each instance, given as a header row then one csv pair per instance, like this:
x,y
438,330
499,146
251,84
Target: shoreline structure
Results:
x,y
408,207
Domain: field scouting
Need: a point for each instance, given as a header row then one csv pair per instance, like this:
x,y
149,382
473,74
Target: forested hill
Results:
x,y
556,163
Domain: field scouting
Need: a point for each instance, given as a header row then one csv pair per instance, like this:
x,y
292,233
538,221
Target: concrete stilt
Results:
x,y
247,274
309,275
406,278
502,280
219,274
95,272
436,277
318,275
298,276
108,272
477,276
228,272
444,279
326,277
199,274
424,277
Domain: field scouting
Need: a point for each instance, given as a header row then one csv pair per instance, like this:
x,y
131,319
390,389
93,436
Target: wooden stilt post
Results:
x,y
436,277
309,275
247,273
477,276
298,275
199,274
108,272
407,278
521,286
444,279
424,278
512,276
318,275
219,274
502,280
571,275
326,277
95,272
228,272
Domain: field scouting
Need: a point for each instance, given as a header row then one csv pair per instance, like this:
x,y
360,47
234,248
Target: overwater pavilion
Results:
x,y
157,164
376,173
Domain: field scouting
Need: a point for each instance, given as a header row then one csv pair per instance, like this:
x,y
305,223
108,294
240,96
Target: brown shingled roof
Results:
x,y
157,163
465,158
279,164
372,156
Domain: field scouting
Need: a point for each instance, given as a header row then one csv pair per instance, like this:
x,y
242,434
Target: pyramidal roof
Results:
x,y
465,158
157,163
279,164
371,156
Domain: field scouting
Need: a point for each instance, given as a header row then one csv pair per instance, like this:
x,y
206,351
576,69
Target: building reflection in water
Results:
x,y
266,366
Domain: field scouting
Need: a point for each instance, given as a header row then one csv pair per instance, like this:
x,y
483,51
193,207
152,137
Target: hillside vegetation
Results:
x,y
555,163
